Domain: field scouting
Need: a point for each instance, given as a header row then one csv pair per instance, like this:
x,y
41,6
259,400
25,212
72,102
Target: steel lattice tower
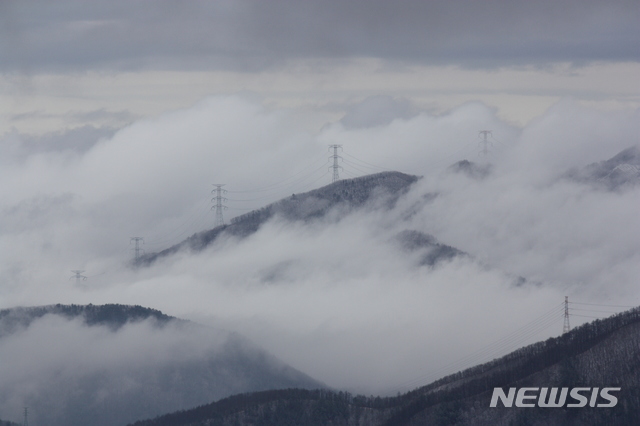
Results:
x,y
137,249
335,167
78,275
485,142
218,203
26,420
566,328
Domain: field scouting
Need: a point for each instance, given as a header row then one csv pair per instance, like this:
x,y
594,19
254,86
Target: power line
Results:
x,y
197,214
500,347
290,187
351,175
195,218
301,184
276,189
356,167
601,304
492,351
373,166
313,182
586,316
594,310
274,186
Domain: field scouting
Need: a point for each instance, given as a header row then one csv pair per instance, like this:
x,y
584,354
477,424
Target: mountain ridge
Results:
x,y
617,173
603,353
352,193
112,315
107,365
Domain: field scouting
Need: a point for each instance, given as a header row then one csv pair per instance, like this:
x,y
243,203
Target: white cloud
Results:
x,y
337,299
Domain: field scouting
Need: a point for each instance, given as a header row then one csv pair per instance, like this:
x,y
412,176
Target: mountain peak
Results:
x,y
620,171
351,193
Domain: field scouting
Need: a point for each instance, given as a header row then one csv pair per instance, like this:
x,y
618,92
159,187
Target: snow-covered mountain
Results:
x,y
616,173
347,194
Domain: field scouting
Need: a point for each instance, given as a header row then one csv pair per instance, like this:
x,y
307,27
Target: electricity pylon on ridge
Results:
x,y
335,166
26,420
138,251
219,207
485,142
78,275
567,327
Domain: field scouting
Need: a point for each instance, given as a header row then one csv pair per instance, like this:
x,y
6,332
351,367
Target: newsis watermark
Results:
x,y
555,397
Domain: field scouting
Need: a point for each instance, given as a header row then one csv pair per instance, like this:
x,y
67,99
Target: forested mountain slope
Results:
x,y
348,194
619,172
604,353
112,316
75,365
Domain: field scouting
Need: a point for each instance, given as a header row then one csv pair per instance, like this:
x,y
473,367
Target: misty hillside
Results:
x,y
604,353
620,171
108,365
431,250
347,194
471,169
112,316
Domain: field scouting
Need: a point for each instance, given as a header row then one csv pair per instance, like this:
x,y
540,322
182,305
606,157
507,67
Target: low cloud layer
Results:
x,y
67,372
337,298
70,373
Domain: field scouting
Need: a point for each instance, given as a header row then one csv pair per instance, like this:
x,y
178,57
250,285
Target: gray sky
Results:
x,y
117,116
247,36
69,58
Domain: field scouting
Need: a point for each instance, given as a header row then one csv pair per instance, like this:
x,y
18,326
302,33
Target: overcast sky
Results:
x,y
68,63
249,36
116,117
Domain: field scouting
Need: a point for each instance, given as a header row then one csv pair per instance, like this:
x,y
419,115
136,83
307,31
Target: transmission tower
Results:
x,y
26,420
78,275
566,327
138,251
485,142
218,203
335,167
